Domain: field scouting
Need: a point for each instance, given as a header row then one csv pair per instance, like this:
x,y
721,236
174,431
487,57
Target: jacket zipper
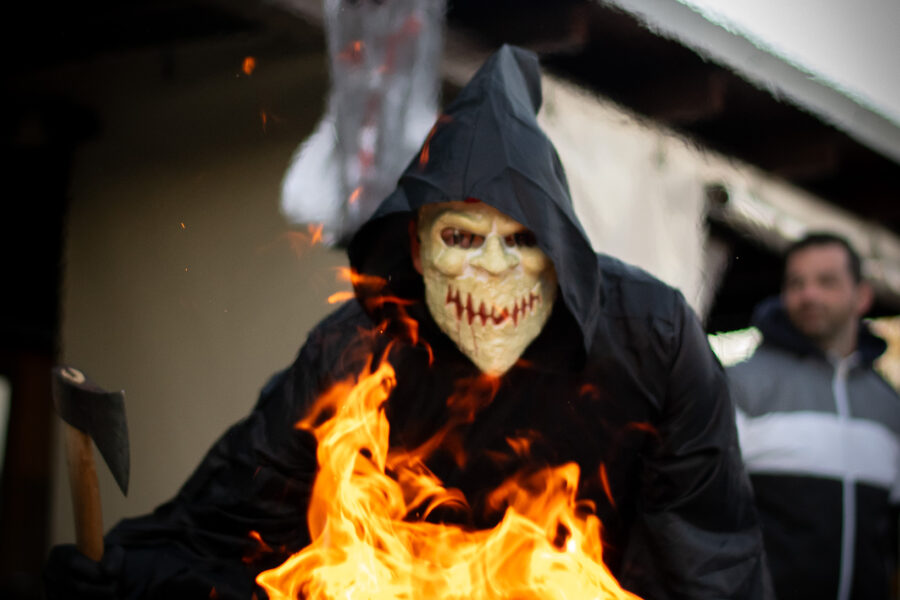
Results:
x,y
848,521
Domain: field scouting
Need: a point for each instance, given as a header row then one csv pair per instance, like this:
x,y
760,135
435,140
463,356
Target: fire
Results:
x,y
371,285
249,65
372,294
604,479
425,154
352,52
315,233
340,297
299,241
260,549
369,505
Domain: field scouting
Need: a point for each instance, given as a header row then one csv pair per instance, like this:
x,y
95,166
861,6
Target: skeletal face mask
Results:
x,y
487,284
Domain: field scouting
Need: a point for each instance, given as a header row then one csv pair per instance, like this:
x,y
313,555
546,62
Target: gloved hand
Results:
x,y
70,575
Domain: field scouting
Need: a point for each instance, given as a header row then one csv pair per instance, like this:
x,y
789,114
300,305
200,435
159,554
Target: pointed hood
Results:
x,y
488,145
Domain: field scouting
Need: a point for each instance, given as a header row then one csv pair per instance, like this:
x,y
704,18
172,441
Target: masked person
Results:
x,y
820,430
482,273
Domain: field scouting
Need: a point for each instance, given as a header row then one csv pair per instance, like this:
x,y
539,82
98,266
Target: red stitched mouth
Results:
x,y
496,315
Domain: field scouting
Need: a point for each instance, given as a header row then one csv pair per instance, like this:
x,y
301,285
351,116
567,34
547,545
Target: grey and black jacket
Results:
x,y
821,441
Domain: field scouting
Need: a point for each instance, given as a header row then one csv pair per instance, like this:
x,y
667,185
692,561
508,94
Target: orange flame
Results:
x,y
261,549
249,65
520,445
370,540
340,297
263,546
299,241
604,479
425,154
642,426
354,195
315,233
352,52
372,295
371,282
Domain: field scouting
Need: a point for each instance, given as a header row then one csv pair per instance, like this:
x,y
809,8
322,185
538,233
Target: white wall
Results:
x,y
639,191
636,189
189,320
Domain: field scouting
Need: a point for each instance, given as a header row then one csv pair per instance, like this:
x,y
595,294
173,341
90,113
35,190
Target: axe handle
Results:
x,y
85,492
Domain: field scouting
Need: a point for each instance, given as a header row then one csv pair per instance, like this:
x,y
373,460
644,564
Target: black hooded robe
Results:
x,y
621,380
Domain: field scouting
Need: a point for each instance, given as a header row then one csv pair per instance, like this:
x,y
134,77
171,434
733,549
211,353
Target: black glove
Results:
x,y
71,575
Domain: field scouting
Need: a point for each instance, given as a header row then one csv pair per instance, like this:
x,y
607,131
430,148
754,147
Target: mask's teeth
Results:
x,y
469,312
521,308
454,299
529,301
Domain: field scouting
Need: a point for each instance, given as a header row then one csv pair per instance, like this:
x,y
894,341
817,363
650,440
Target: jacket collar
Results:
x,y
771,319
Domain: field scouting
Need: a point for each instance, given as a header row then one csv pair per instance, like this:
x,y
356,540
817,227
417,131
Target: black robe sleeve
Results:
x,y
696,534
244,509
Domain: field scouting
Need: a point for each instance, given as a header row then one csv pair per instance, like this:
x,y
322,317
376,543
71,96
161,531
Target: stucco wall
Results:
x,y
183,285
639,190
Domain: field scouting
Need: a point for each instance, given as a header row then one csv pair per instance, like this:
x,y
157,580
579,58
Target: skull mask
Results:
x,y
487,284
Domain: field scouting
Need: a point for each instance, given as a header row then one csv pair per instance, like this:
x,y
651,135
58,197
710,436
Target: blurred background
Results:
x,y
146,241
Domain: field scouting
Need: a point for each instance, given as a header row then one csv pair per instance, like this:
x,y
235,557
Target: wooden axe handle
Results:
x,y
85,492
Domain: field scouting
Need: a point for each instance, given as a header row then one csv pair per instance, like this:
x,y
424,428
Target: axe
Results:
x,y
89,412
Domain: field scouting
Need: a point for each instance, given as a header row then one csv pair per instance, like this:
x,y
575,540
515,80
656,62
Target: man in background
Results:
x,y
820,430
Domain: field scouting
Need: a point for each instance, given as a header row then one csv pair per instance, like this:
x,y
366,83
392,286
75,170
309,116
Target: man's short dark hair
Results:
x,y
824,238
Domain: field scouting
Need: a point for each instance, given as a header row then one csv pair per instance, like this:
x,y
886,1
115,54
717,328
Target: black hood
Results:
x,y
487,145
772,321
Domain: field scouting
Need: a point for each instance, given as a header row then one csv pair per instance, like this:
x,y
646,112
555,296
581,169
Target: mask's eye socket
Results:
x,y
524,239
461,238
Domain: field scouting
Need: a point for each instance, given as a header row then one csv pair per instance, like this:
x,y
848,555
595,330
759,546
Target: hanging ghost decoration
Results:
x,y
384,62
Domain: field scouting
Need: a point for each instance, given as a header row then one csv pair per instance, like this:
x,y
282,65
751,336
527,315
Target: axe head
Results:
x,y
100,414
